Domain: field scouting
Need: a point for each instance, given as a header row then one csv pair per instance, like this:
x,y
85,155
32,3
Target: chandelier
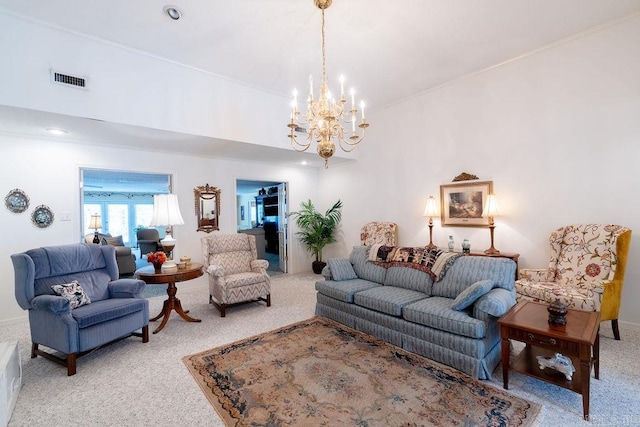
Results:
x,y
325,115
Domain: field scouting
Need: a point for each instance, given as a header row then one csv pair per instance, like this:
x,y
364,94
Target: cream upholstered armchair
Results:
x,y
585,272
235,273
384,233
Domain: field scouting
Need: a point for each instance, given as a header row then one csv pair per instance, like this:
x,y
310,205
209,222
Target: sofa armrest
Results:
x,y
215,270
326,273
495,303
126,288
53,303
257,265
536,274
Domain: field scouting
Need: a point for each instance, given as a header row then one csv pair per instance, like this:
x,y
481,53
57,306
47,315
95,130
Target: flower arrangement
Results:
x,y
156,257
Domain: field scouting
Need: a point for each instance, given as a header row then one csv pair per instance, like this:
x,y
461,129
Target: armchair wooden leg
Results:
x,y
34,350
616,331
145,334
223,310
71,364
268,300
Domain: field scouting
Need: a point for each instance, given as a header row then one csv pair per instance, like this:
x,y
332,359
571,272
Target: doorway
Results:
x,y
262,208
123,200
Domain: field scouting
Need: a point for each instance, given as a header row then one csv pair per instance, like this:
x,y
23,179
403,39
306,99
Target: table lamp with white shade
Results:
x,y
96,223
491,210
166,212
431,210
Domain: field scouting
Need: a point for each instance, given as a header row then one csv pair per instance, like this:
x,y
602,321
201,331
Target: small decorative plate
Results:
x,y
17,201
42,217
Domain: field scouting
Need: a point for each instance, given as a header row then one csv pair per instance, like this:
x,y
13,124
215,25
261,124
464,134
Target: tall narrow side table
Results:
x,y
149,276
579,339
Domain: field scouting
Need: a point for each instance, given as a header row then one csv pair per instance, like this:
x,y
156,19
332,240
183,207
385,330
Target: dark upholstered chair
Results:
x,y
115,310
271,236
124,258
148,240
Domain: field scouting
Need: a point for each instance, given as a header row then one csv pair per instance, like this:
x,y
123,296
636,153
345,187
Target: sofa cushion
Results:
x,y
471,294
344,290
341,269
409,278
106,310
239,280
470,269
436,312
387,299
365,269
113,241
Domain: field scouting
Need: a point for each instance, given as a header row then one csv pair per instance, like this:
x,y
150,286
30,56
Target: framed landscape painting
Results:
x,y
462,203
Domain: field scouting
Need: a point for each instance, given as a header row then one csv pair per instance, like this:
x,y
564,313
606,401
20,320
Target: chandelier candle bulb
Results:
x,y
353,102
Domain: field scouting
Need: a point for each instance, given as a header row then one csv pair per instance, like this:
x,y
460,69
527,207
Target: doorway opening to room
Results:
x,y
123,202
262,208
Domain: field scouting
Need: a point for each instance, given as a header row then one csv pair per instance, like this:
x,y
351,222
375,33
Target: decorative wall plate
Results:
x,y
42,217
17,201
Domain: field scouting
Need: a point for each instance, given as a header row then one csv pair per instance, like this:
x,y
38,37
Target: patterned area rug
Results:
x,y
320,373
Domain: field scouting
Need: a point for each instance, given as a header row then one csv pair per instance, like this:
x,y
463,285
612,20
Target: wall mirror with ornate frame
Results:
x,y
207,204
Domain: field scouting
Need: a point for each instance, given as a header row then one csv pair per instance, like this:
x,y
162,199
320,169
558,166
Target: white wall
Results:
x,y
557,132
49,173
131,88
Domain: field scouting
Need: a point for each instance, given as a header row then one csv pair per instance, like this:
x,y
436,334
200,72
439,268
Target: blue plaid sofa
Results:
x,y
452,320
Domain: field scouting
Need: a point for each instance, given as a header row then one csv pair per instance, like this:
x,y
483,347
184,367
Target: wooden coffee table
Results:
x,y
149,276
579,340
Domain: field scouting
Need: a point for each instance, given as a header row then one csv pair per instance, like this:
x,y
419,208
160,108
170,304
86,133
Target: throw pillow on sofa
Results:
x,y
467,297
341,269
73,292
113,241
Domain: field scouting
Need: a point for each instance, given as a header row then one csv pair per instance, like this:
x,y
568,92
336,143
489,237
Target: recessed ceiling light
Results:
x,y
56,131
172,12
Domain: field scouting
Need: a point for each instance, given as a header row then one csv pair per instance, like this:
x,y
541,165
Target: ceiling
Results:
x,y
387,50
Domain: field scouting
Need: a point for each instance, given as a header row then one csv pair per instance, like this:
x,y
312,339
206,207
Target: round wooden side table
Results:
x,y
149,276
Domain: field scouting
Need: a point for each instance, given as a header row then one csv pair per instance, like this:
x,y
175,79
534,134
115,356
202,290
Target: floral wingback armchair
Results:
x,y
384,233
235,273
586,270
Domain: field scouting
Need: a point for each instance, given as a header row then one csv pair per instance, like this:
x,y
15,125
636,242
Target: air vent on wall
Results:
x,y
300,129
68,80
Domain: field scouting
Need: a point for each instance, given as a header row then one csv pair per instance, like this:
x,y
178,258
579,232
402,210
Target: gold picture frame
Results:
x,y
462,203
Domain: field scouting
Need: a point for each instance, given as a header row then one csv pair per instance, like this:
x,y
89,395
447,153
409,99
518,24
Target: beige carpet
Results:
x,y
321,373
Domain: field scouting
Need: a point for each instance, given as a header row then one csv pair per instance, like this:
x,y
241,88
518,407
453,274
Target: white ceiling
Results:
x,y
387,50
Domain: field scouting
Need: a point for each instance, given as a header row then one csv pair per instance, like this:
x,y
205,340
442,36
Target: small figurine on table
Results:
x,y
559,362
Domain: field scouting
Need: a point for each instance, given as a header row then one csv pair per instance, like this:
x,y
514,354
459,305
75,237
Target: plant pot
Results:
x,y
317,266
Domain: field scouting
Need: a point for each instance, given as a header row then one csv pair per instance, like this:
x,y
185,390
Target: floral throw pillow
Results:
x,y
73,292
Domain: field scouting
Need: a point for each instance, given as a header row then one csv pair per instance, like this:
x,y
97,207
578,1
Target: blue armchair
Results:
x,y
108,309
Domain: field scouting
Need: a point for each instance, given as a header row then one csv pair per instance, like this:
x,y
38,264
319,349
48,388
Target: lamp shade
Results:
x,y
431,209
491,206
95,222
166,210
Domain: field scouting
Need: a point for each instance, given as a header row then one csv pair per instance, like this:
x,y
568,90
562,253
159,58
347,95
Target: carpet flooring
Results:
x,y
136,384
319,372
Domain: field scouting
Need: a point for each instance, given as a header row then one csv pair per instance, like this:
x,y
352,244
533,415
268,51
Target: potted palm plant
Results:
x,y
317,230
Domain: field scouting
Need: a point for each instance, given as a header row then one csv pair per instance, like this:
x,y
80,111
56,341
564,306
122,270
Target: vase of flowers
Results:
x,y
157,259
